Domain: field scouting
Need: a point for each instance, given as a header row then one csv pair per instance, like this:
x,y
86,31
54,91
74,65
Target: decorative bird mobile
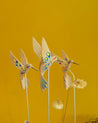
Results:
x,y
66,64
23,67
46,60
68,83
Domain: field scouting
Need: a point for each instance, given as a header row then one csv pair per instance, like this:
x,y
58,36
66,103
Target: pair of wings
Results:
x,y
20,66
16,62
42,51
61,61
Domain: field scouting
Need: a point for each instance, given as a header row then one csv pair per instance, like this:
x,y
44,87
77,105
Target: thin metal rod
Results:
x,y
66,105
74,106
48,99
27,97
74,98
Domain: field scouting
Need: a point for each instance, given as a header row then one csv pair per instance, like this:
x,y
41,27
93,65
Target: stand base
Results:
x,y
26,121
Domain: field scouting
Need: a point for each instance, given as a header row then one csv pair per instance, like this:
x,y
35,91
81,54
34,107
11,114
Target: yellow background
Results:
x,y
68,25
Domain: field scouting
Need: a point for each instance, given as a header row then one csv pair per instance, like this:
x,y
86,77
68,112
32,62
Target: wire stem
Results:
x,y
27,97
66,105
48,99
74,98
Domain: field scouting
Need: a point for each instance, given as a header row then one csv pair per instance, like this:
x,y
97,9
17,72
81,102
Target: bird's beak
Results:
x,y
75,63
34,68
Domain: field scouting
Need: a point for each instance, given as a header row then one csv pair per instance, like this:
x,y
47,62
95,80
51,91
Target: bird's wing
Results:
x,y
37,48
59,60
23,81
46,55
23,57
65,57
16,62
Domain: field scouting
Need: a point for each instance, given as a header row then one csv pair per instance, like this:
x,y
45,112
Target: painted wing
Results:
x,y
59,60
23,58
37,48
15,61
43,67
23,81
65,57
46,55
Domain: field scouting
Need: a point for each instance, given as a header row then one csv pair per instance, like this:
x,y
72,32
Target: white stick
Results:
x,y
74,106
74,98
66,105
27,97
48,99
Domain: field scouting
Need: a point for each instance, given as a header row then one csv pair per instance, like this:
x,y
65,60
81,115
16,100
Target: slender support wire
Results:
x,y
74,106
48,99
27,97
66,105
74,98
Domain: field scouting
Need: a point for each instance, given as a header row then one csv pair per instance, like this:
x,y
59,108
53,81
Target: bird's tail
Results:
x,y
23,80
67,81
43,83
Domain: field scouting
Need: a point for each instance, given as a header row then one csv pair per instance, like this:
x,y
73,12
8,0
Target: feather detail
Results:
x,y
43,83
23,81
67,82
37,48
65,57
16,62
23,57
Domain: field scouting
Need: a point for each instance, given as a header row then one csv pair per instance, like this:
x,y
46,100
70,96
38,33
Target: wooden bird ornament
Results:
x,y
46,60
66,64
23,67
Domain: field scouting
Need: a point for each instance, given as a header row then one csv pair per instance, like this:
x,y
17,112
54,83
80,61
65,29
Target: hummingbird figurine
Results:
x,y
46,60
66,64
23,67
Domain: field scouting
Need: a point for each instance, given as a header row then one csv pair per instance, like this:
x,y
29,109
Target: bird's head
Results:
x,y
72,62
31,66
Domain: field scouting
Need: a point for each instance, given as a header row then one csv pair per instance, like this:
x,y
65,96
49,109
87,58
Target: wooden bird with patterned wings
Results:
x,y
66,64
23,67
46,60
